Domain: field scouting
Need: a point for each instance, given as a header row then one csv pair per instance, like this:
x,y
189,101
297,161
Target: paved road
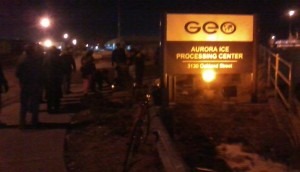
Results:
x,y
34,150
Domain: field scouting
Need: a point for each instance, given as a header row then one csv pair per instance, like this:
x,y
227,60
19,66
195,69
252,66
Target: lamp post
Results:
x,y
45,23
119,20
272,41
291,14
65,40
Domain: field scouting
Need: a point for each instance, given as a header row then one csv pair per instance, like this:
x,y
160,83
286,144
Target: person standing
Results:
x,y
3,88
88,70
131,58
118,55
29,73
53,72
69,67
139,67
119,61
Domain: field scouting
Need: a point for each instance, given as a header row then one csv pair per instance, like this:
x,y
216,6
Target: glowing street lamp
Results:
x,y
291,13
45,22
74,41
272,40
48,43
66,36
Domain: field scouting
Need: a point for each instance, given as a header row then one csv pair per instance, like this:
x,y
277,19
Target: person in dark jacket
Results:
x,y
53,72
3,88
119,61
139,67
29,73
69,67
137,60
118,56
88,70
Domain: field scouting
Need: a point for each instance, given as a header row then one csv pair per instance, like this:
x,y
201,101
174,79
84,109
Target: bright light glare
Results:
x,y
48,43
212,38
66,36
45,22
208,75
291,12
74,41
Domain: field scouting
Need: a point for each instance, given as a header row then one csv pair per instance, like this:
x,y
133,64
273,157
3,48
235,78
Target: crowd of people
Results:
x,y
129,68
45,76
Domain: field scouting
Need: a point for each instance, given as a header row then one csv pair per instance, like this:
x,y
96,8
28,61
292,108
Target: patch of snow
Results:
x,y
238,160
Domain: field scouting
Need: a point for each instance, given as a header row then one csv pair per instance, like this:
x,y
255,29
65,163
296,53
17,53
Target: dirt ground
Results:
x,y
206,127
97,139
230,136
204,133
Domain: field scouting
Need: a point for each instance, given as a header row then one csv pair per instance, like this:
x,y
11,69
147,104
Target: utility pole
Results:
x,y
119,20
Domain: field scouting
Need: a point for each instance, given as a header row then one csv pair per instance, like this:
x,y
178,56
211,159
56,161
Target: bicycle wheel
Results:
x,y
133,147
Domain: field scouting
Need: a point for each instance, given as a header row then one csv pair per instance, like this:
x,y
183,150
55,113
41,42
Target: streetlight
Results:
x,y
272,41
74,41
48,43
45,22
119,20
65,41
291,14
66,36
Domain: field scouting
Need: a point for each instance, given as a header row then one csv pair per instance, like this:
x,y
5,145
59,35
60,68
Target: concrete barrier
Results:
x,y
170,158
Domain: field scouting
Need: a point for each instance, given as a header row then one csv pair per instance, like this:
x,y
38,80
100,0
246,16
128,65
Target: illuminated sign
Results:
x,y
195,42
210,27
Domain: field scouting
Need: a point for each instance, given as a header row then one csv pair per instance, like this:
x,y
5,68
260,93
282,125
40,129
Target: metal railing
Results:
x,y
279,73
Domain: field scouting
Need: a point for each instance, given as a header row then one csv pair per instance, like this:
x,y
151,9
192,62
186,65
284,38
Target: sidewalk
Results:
x,y
36,150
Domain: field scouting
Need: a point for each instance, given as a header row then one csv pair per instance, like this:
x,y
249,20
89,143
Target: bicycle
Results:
x,y
139,134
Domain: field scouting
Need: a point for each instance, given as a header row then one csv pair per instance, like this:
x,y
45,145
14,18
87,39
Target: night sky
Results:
x,y
92,20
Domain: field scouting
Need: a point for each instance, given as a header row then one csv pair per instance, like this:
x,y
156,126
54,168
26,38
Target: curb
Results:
x,y
170,158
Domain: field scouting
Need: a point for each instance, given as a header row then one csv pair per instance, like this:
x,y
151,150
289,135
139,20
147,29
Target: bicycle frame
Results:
x,y
139,133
